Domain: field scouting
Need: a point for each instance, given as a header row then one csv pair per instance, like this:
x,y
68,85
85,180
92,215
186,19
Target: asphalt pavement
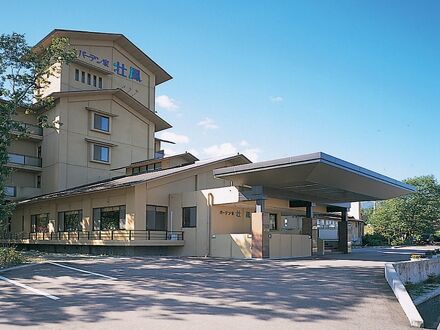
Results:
x,y
331,292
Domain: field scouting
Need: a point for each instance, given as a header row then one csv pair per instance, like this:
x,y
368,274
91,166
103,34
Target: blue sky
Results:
x,y
359,80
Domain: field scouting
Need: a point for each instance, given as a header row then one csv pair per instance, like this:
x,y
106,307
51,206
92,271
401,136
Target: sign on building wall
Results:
x,y
231,213
119,68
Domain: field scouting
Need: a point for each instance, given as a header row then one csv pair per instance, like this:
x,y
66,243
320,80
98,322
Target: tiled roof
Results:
x,y
128,181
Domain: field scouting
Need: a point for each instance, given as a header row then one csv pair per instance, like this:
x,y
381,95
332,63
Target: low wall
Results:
x,y
289,245
417,271
231,246
402,296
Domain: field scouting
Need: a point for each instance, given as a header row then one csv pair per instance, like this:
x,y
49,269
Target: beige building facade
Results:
x,y
99,182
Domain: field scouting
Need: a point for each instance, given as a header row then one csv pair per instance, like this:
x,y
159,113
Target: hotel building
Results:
x,y
100,182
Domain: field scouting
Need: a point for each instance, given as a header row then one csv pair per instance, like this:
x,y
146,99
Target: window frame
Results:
x,y
273,225
98,129
14,188
76,74
100,160
34,222
63,213
184,222
155,210
98,222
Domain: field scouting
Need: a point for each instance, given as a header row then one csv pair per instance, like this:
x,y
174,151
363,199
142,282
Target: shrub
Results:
x,y
374,240
10,256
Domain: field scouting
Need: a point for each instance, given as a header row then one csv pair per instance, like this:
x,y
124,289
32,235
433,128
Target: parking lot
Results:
x,y
336,291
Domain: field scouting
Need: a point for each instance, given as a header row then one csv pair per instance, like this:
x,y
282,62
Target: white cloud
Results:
x,y
169,151
252,154
207,123
276,99
244,143
229,149
177,138
222,150
167,103
194,152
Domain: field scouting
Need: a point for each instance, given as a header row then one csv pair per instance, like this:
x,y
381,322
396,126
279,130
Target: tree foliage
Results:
x,y
23,70
407,218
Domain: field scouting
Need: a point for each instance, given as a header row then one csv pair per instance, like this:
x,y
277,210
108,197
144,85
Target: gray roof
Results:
x,y
316,177
128,181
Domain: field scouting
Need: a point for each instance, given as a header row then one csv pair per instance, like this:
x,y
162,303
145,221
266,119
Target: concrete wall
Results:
x,y
21,220
231,246
142,90
67,156
288,245
417,271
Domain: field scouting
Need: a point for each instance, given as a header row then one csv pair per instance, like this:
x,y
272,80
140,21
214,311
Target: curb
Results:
x,y
402,296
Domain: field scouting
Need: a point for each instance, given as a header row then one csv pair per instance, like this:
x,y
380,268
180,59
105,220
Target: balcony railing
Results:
x,y
24,160
104,235
159,154
31,128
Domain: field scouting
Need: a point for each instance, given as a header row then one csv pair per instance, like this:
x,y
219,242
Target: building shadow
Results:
x,y
178,287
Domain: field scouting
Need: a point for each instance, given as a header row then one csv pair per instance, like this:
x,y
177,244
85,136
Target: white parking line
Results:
x,y
82,271
24,286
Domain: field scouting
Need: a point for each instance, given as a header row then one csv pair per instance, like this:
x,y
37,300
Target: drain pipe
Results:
x,y
210,203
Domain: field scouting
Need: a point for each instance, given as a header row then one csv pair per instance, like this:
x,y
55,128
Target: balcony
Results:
x,y
34,132
25,162
98,237
19,192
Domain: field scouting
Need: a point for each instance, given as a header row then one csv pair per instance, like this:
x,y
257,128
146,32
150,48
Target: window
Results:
x,y
76,74
142,169
10,191
150,168
157,166
272,221
70,220
38,181
189,217
101,122
89,79
157,217
101,153
40,223
109,218
39,151
292,222
83,77
94,80
135,170
100,82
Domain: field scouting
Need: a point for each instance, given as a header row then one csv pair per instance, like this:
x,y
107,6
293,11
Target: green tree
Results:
x,y
23,70
406,218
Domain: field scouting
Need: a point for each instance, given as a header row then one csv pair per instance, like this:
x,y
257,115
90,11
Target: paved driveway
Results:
x,y
337,291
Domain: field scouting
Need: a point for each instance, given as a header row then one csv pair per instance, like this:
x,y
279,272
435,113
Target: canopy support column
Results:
x,y
343,232
260,231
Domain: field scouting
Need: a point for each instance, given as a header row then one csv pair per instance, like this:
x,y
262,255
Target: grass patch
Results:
x,y
11,257
418,289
